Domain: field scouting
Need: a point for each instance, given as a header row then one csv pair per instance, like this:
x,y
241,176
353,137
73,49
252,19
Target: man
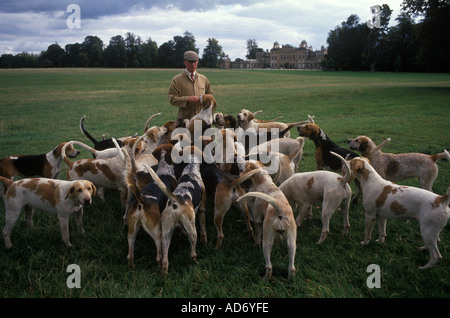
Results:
x,y
187,87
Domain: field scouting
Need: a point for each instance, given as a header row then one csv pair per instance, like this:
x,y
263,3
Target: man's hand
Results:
x,y
193,99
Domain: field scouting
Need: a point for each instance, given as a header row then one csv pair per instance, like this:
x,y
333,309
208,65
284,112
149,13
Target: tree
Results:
x,y
133,45
376,47
92,46
116,53
182,44
72,51
346,44
403,45
148,53
432,32
54,54
170,54
166,56
252,48
211,54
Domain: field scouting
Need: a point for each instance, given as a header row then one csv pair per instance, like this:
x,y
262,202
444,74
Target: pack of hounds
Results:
x,y
161,194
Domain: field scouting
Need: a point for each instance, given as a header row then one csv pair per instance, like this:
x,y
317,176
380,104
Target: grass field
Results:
x,y
40,108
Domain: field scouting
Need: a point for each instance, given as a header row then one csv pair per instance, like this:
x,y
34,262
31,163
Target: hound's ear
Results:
x,y
157,152
363,145
94,189
250,116
356,165
70,192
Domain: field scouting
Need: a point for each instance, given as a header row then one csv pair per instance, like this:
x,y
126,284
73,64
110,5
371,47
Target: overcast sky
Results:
x,y
32,25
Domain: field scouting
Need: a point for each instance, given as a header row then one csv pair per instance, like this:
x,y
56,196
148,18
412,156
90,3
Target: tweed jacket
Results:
x,y
182,87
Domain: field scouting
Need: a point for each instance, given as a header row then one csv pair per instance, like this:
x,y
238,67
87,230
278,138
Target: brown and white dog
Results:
x,y
246,120
44,165
205,116
330,188
383,200
145,211
58,197
398,167
107,173
183,204
272,210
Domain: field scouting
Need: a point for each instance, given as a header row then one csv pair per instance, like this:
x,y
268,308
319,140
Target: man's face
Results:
x,y
191,66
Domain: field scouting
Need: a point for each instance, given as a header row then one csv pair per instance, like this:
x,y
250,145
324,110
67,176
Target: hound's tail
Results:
x,y
63,154
273,202
247,176
374,150
129,177
85,132
346,169
6,182
82,145
148,120
161,184
442,155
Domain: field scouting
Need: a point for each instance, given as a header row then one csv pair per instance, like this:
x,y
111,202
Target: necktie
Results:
x,y
193,77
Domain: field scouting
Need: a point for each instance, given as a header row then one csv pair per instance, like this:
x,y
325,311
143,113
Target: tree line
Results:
x,y
129,51
409,46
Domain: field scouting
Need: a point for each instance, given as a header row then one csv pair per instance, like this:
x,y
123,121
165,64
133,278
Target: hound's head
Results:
x,y
71,152
207,100
81,192
362,144
360,168
245,116
163,152
311,131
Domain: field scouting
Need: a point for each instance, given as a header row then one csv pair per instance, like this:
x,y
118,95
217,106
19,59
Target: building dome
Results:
x,y
304,44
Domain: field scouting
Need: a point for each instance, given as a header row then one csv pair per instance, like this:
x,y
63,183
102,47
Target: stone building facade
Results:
x,y
282,57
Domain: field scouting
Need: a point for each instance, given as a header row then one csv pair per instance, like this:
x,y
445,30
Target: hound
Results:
x,y
330,188
58,197
98,145
183,203
44,165
246,120
398,167
225,190
153,136
273,212
224,121
205,116
385,200
149,201
324,145
286,146
277,164
107,173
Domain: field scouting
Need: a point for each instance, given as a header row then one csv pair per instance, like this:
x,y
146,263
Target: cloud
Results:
x,y
33,25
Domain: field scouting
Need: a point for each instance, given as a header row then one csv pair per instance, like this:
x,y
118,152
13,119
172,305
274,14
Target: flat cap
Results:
x,y
190,56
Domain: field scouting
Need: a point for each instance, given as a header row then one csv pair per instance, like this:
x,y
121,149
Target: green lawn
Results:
x,y
39,108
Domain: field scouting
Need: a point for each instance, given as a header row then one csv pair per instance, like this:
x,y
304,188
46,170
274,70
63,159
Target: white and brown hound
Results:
x,y
327,187
398,167
183,204
246,120
145,211
383,200
272,210
107,173
46,165
58,197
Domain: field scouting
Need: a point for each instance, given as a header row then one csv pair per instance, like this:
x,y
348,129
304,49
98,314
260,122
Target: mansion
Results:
x,y
284,57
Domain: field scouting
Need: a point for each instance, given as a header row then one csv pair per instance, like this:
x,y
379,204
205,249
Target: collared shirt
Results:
x,y
182,87
190,74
